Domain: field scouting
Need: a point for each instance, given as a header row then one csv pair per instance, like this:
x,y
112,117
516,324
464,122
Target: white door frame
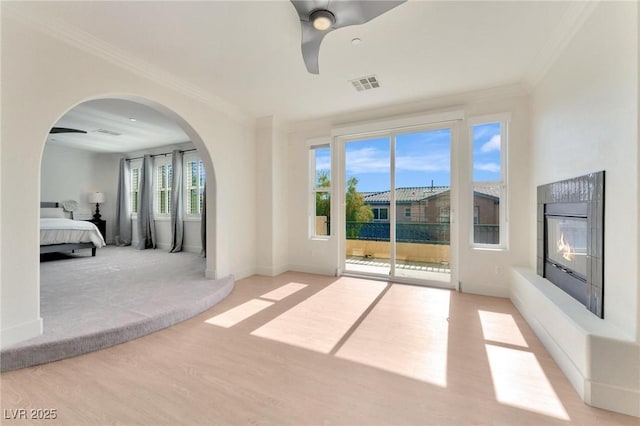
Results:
x,y
390,128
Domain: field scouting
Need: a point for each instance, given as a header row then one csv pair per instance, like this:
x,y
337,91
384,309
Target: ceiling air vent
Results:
x,y
108,132
365,83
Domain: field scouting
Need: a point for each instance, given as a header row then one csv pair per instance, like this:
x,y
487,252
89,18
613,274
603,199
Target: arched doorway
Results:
x,y
213,290
112,128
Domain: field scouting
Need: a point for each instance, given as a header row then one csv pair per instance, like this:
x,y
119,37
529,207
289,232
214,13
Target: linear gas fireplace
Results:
x,y
571,238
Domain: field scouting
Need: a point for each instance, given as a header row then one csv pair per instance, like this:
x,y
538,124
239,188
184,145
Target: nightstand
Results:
x,y
101,225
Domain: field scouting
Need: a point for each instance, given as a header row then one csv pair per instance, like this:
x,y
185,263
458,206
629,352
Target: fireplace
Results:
x,y
570,238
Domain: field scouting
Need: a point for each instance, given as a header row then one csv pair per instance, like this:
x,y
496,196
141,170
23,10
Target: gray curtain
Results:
x,y
177,224
122,228
203,222
146,222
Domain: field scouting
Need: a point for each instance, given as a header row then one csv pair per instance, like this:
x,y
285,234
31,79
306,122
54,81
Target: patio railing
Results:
x,y
431,233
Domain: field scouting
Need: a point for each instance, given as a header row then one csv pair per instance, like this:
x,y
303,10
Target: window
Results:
x,y
489,139
407,212
164,179
320,162
135,166
194,184
380,213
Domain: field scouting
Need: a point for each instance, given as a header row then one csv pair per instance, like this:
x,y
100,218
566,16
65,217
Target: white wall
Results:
x,y
271,192
70,174
476,268
67,174
38,88
584,118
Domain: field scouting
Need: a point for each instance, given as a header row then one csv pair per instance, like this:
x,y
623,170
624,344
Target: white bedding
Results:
x,y
61,231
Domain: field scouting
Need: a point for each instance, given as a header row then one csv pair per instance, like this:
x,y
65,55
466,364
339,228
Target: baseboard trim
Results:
x,y
608,397
485,290
271,271
244,273
21,332
312,269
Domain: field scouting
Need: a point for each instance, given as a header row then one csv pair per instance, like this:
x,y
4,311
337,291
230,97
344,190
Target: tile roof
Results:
x,y
420,193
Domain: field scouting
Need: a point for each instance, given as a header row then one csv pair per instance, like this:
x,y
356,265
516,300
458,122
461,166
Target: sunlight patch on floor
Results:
x,y
319,322
519,381
239,313
501,328
284,291
406,333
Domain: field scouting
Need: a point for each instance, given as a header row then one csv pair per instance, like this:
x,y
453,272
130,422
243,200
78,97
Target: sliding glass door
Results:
x,y
398,206
367,214
423,205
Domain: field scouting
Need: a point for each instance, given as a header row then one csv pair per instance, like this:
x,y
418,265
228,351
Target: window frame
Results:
x,y
190,157
133,165
504,120
379,210
312,146
159,163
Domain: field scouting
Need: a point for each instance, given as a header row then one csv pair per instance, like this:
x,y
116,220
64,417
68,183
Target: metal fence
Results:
x,y
432,233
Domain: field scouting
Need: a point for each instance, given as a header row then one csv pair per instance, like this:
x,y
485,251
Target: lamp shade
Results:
x,y
96,197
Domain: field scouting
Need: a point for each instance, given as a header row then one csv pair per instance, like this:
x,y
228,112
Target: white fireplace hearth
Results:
x,y
601,362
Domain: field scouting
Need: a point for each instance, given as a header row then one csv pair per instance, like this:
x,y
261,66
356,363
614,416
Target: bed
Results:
x,y
58,233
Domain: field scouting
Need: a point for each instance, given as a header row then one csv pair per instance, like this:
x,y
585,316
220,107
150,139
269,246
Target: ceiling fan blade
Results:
x,y
305,7
311,40
357,12
65,130
346,12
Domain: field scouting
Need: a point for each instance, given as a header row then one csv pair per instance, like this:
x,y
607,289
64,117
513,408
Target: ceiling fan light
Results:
x,y
322,19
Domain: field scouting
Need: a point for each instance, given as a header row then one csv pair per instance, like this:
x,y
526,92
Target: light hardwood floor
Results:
x,y
307,350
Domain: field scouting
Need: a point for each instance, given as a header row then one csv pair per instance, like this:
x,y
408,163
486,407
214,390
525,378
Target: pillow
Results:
x,y
70,205
81,214
51,212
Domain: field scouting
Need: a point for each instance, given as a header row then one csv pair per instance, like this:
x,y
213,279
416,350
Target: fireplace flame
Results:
x,y
565,248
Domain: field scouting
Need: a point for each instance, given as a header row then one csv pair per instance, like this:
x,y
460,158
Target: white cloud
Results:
x,y
487,167
372,160
367,160
323,163
492,145
436,162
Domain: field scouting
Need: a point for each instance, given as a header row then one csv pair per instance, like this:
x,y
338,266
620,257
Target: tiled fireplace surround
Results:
x,y
583,194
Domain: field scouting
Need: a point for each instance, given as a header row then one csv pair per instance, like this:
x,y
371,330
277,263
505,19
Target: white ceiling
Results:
x,y
247,54
151,129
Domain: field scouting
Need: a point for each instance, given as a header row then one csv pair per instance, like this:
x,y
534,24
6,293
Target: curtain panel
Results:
x,y
177,223
146,221
122,228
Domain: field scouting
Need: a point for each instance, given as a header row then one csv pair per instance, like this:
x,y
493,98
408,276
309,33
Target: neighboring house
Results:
x,y
431,204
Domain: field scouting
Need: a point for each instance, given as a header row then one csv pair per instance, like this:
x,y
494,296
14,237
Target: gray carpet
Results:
x,y
89,303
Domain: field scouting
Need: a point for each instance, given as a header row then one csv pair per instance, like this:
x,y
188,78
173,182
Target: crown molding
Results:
x,y
429,104
570,23
88,43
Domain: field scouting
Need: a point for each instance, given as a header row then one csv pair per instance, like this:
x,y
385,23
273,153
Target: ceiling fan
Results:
x,y
64,130
318,18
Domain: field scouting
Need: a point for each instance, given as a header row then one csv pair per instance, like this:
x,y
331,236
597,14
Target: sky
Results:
x,y
422,158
